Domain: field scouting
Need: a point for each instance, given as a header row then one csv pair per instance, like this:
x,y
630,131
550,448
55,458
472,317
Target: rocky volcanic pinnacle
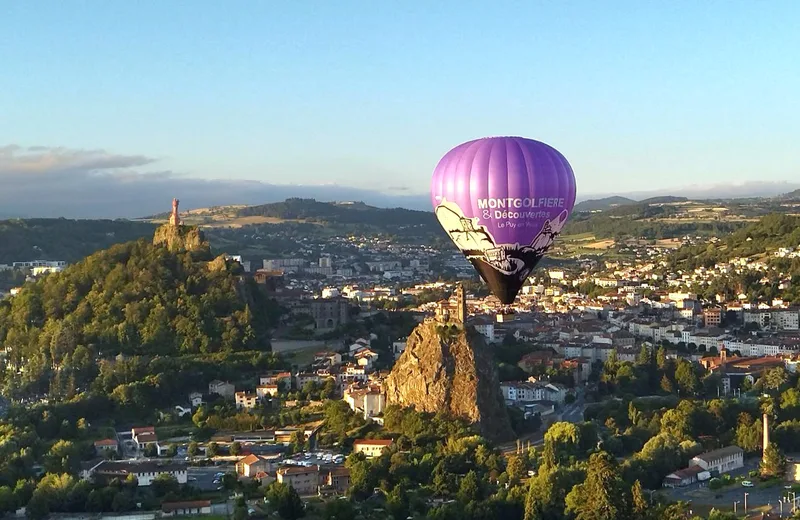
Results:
x,y
447,368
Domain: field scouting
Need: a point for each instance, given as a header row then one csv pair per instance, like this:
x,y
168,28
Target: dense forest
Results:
x,y
63,239
133,299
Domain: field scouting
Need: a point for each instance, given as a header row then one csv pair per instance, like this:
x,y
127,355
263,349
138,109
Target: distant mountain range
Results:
x,y
309,210
603,204
616,201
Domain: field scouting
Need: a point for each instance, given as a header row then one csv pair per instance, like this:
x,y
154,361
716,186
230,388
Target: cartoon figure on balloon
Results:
x,y
477,243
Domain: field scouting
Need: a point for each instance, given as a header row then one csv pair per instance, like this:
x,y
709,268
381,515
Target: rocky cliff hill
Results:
x,y
448,368
181,238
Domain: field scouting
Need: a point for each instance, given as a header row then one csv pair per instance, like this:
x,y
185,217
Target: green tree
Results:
x,y
469,488
285,500
164,484
639,502
329,389
63,457
8,502
193,449
172,450
773,463
339,510
122,502
775,378
212,449
686,378
748,433
716,514
547,492
298,441
790,402
515,469
561,440
602,496
236,448
661,358
666,385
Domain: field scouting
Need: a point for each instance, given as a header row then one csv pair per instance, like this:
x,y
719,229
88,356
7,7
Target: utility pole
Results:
x,y
734,505
745,502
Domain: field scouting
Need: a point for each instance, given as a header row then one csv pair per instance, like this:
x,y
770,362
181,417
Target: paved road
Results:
x,y
724,498
570,413
574,412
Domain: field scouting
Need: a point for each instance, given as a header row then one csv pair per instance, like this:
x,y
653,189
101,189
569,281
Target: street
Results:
x,y
570,413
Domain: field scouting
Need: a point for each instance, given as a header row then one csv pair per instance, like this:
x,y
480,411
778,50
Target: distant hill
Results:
x,y
758,238
602,204
64,239
666,199
339,213
792,195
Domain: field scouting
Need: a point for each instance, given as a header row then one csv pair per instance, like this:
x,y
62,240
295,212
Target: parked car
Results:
x,y
747,483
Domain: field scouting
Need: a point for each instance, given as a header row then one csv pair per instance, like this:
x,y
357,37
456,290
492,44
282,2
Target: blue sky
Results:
x,y
637,95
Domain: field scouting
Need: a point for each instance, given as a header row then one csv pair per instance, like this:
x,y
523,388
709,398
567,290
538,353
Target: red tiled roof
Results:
x,y
250,459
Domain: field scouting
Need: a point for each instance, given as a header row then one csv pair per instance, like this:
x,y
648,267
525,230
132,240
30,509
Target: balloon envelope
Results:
x,y
503,200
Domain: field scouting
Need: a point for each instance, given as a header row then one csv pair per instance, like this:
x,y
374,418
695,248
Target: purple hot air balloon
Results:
x,y
503,200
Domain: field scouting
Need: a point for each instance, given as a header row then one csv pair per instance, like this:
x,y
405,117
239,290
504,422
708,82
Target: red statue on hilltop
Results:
x,y
174,218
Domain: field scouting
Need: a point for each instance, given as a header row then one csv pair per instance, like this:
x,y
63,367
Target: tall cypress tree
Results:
x,y
773,464
603,495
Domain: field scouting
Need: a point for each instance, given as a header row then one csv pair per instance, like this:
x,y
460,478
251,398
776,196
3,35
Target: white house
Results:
x,y
145,472
196,398
190,508
398,347
722,460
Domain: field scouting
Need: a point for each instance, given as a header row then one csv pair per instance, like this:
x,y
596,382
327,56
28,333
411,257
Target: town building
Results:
x,y
246,401
683,477
368,401
144,436
371,447
195,399
222,388
335,478
329,313
720,461
281,379
304,479
106,446
515,391
145,472
252,464
266,391
712,316
190,508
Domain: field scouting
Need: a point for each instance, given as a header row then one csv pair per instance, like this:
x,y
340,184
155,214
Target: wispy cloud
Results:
x,y
16,161
41,181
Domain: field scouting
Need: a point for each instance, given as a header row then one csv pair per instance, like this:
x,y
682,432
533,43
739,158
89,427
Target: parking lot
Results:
x,y
321,458
203,477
